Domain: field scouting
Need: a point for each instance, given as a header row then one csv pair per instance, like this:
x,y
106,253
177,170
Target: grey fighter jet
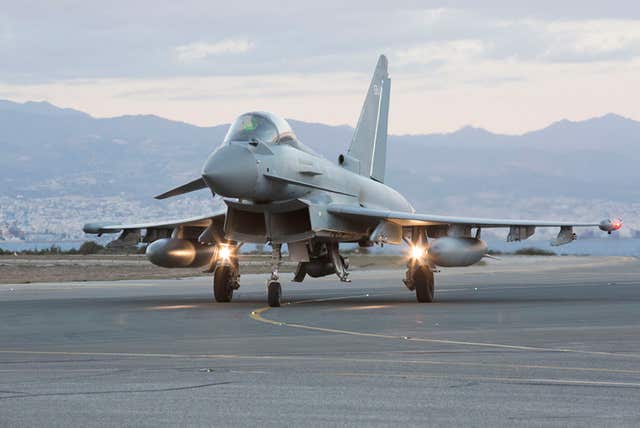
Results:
x,y
276,190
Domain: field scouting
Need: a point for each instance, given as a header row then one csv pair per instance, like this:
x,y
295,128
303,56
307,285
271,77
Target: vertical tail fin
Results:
x,y
369,144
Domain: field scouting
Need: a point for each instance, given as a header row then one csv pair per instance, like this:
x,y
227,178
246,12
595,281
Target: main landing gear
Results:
x,y
226,273
420,278
419,274
274,289
224,282
339,263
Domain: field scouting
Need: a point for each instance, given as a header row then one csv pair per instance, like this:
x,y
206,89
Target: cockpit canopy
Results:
x,y
262,126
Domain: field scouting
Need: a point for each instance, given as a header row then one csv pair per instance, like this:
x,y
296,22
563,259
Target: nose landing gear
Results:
x,y
274,289
274,293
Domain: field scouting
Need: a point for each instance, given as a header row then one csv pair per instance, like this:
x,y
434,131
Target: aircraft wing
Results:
x,y
110,227
519,229
416,219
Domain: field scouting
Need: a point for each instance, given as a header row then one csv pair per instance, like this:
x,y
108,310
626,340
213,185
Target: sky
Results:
x,y
507,66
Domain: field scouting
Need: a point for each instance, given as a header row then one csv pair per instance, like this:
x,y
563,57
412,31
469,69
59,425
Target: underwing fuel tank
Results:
x,y
456,252
179,253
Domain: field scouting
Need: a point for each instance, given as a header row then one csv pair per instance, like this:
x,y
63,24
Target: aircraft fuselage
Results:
x,y
264,180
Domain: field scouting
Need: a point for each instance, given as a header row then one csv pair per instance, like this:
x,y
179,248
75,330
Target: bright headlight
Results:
x,y
225,252
417,252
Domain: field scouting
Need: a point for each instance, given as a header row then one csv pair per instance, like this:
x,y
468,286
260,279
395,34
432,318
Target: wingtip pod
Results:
x,y
91,228
99,228
610,225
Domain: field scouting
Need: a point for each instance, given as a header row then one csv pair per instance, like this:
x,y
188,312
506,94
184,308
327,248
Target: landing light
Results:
x,y
225,252
417,252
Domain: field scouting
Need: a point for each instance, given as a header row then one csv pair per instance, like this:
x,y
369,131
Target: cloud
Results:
x,y
459,39
566,41
537,94
6,33
201,50
507,66
441,52
333,98
592,40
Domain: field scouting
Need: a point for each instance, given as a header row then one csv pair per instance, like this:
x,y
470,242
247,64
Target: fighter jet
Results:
x,y
278,191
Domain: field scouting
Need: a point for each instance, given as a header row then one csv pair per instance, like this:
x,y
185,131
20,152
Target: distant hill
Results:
x,y
50,151
596,158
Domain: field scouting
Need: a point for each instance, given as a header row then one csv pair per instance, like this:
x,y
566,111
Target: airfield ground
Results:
x,y
535,341
111,267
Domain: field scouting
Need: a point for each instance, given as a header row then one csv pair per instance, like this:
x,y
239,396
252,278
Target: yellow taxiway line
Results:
x,y
257,315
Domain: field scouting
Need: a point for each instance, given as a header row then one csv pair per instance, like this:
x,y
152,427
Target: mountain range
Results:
x,y
51,151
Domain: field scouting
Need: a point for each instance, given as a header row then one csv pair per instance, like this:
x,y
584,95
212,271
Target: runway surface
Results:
x,y
533,341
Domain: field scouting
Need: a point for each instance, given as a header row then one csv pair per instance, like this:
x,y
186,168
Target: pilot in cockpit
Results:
x,y
266,128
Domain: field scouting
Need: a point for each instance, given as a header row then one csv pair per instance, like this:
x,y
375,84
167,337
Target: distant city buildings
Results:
x,y
11,232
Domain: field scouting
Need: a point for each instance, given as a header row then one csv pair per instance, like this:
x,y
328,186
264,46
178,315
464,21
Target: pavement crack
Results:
x,y
581,384
464,384
123,391
12,392
92,360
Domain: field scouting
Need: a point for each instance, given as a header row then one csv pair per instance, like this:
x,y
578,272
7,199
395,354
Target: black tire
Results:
x,y
274,292
424,284
223,284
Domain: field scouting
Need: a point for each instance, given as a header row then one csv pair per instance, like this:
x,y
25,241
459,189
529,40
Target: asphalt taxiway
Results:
x,y
536,341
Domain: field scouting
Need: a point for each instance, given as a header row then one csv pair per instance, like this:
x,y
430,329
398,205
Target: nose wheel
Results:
x,y
274,293
274,289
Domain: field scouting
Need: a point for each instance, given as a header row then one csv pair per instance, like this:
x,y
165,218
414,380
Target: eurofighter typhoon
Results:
x,y
278,191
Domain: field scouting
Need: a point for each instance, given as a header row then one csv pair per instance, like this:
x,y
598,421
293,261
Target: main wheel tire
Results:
x,y
424,284
274,292
223,284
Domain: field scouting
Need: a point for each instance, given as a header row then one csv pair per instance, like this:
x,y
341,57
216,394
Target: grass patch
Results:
x,y
531,251
87,247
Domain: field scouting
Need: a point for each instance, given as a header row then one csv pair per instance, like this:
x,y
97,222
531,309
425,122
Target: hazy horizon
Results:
x,y
351,125
61,168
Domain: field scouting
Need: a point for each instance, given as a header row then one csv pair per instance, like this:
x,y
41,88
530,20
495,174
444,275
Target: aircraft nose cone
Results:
x,y
231,171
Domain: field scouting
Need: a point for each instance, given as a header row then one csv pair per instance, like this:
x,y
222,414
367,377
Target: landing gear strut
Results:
x,y
274,290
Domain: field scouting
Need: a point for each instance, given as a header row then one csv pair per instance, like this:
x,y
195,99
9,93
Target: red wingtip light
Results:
x,y
610,225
